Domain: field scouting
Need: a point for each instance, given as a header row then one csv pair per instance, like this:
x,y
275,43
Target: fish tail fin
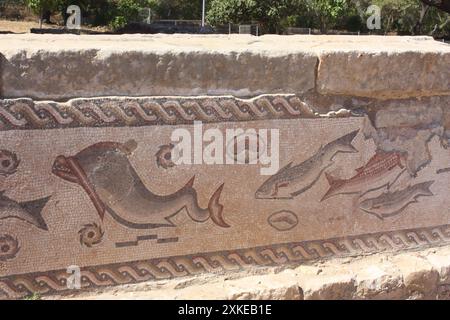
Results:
x,y
216,209
346,142
35,208
426,188
335,183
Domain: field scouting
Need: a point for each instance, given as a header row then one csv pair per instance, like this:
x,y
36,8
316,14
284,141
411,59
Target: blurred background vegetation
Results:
x,y
413,17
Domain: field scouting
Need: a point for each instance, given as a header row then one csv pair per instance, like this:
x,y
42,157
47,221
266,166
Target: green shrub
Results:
x,y
125,11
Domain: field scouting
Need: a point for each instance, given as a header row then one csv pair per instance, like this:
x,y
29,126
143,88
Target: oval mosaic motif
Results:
x,y
283,220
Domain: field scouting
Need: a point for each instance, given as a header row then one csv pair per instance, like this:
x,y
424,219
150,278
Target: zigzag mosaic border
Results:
x,y
218,262
23,114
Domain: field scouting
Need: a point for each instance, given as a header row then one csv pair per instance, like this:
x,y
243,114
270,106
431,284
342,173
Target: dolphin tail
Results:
x,y
216,209
35,208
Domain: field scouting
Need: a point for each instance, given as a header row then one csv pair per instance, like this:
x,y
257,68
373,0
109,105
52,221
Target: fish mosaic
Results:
x,y
29,212
379,170
392,203
293,180
104,171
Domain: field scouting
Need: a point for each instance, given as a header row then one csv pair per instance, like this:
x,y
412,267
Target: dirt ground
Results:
x,y
7,26
19,26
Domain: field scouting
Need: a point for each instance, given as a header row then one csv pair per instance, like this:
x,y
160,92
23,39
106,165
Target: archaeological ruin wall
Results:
x,y
137,158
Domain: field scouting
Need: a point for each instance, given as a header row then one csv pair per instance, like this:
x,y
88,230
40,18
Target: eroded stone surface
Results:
x,y
136,65
385,74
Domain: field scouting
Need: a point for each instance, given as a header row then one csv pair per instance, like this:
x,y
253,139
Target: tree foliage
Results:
x,y
398,16
273,15
177,9
412,17
39,6
42,7
329,13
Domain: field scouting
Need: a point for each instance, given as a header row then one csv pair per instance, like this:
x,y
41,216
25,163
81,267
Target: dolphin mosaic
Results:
x,y
291,181
104,171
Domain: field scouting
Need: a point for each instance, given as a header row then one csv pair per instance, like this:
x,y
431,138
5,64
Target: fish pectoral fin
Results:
x,y
279,185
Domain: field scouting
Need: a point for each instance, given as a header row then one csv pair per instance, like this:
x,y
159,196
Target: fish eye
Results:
x,y
6,163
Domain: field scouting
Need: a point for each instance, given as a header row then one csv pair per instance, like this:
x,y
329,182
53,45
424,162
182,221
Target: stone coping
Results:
x,y
268,44
60,67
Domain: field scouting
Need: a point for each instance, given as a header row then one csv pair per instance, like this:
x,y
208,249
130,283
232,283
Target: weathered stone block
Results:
x,y
148,66
386,74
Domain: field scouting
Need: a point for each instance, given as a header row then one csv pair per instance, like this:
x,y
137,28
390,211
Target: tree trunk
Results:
x,y
40,19
47,16
417,29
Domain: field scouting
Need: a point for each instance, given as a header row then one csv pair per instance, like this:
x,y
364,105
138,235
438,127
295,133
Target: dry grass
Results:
x,y
20,26
25,26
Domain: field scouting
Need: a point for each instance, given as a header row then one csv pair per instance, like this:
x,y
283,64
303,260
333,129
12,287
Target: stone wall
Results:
x,y
351,154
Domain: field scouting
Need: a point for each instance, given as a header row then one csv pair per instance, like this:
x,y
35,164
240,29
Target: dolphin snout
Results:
x,y
62,168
